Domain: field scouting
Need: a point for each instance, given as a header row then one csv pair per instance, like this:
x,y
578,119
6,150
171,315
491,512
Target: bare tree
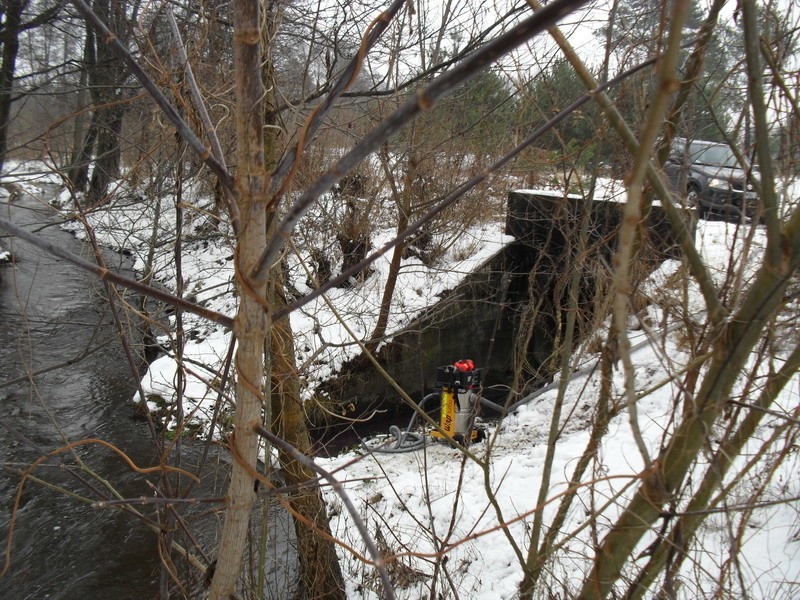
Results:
x,y
15,21
720,399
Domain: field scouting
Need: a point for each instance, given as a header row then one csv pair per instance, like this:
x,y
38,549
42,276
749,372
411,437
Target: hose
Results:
x,y
404,440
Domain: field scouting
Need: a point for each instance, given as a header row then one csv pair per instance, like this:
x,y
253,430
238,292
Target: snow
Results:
x,y
606,190
403,482
423,504
433,499
418,287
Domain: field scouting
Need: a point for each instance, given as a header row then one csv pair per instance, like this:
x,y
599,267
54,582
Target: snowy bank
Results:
x,y
437,512
322,341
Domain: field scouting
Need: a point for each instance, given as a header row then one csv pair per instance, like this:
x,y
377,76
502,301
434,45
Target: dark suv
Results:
x,y
714,181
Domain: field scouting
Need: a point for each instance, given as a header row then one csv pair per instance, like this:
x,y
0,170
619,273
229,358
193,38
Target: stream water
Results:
x,y
51,313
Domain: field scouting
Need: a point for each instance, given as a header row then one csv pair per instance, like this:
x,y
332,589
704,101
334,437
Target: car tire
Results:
x,y
692,196
693,201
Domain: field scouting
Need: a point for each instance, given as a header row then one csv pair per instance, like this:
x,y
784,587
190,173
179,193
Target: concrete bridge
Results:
x,y
508,315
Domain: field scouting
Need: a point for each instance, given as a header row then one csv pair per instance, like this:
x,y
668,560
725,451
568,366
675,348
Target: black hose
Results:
x,y
493,405
404,440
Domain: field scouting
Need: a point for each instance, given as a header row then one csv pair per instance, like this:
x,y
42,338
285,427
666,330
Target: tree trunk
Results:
x,y
84,140
320,575
106,74
79,171
13,18
251,324
109,153
106,77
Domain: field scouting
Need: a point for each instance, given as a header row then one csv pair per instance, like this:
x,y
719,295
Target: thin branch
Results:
x,y
755,89
156,500
424,75
223,378
722,461
70,446
111,297
632,214
200,106
11,33
763,409
732,349
369,354
577,264
692,71
67,363
734,507
780,80
152,526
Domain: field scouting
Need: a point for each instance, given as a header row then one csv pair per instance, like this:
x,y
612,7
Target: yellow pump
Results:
x,y
460,394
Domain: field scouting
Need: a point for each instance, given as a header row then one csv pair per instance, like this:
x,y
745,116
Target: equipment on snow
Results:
x,y
459,397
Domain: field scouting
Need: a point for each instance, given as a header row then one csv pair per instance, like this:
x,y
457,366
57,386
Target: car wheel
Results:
x,y
693,201
692,197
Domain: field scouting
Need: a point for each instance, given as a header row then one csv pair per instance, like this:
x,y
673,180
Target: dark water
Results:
x,y
50,313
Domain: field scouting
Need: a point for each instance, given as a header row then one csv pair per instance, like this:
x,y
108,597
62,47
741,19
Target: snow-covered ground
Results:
x,y
433,502
432,499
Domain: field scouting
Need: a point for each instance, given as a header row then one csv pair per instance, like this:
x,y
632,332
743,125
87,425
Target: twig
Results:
x,y
684,237
755,73
369,354
226,370
67,363
111,295
632,215
763,409
157,500
200,106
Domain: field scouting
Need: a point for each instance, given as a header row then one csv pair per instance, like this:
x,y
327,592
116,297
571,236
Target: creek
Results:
x,y
50,314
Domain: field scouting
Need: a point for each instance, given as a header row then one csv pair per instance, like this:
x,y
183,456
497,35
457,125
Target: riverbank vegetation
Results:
x,y
296,181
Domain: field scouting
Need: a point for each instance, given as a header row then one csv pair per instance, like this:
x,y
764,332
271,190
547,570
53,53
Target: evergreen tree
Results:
x,y
639,33
483,113
545,95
